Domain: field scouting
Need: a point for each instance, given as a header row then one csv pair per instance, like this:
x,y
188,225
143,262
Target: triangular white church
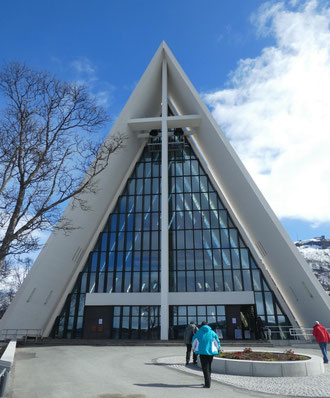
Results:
x,y
177,232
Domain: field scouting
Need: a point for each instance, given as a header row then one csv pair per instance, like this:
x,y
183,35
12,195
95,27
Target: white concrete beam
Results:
x,y
164,314
151,123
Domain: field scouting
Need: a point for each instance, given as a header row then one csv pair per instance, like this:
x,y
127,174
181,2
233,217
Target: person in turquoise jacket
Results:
x,y
205,342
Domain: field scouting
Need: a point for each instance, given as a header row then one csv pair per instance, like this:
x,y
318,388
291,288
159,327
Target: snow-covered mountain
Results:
x,y
316,252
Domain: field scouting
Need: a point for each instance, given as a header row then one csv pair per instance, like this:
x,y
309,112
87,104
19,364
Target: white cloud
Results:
x,y
277,111
83,65
86,74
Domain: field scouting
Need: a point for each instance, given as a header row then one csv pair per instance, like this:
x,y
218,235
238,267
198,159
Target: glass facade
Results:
x,y
181,315
206,250
135,322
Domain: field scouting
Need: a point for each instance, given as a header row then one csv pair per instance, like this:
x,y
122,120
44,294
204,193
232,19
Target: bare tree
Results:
x,y
12,275
46,147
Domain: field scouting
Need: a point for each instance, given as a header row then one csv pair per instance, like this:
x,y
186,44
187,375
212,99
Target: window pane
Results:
x,y
269,303
190,259
188,219
127,282
191,311
100,288
235,258
201,310
196,201
155,221
146,240
182,310
256,279
218,281
145,282
109,282
136,282
226,258
92,282
209,281
199,260
197,220
214,219
223,219
94,261
199,281
208,259
113,222
179,219
146,203
215,238
181,281
180,260
172,282
233,238
189,239
121,240
137,240
220,310
213,200
187,201
154,281
227,280
197,239
146,221
247,280
207,238
138,222
259,303
216,258
180,240
129,241
154,240
237,280
206,222
147,186
224,239
131,187
128,261
245,258
190,281
136,260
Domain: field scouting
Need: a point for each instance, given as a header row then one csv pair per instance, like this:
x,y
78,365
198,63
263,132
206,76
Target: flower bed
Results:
x,y
248,355
267,364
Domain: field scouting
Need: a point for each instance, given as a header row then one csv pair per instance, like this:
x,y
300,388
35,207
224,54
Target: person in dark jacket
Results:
x,y
206,343
260,327
189,332
322,336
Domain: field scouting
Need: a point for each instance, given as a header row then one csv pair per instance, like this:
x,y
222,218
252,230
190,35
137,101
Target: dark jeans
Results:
x,y
323,347
261,334
188,354
206,361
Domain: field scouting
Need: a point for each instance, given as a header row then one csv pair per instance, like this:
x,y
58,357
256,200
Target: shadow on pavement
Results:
x,y
163,385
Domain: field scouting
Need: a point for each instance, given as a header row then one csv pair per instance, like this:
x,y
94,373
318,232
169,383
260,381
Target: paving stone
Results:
x,y
307,386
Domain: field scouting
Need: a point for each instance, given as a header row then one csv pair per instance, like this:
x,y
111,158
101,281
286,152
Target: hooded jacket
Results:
x,y
190,330
206,341
321,334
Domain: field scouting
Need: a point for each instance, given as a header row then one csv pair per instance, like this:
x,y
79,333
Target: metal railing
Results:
x,y
307,333
3,381
277,332
21,334
288,332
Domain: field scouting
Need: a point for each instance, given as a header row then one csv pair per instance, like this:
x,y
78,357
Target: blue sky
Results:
x,y
262,68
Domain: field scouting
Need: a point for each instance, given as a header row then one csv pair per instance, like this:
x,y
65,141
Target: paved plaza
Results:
x,y
141,372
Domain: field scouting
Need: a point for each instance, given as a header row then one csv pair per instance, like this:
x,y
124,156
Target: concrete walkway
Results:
x,y
140,372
